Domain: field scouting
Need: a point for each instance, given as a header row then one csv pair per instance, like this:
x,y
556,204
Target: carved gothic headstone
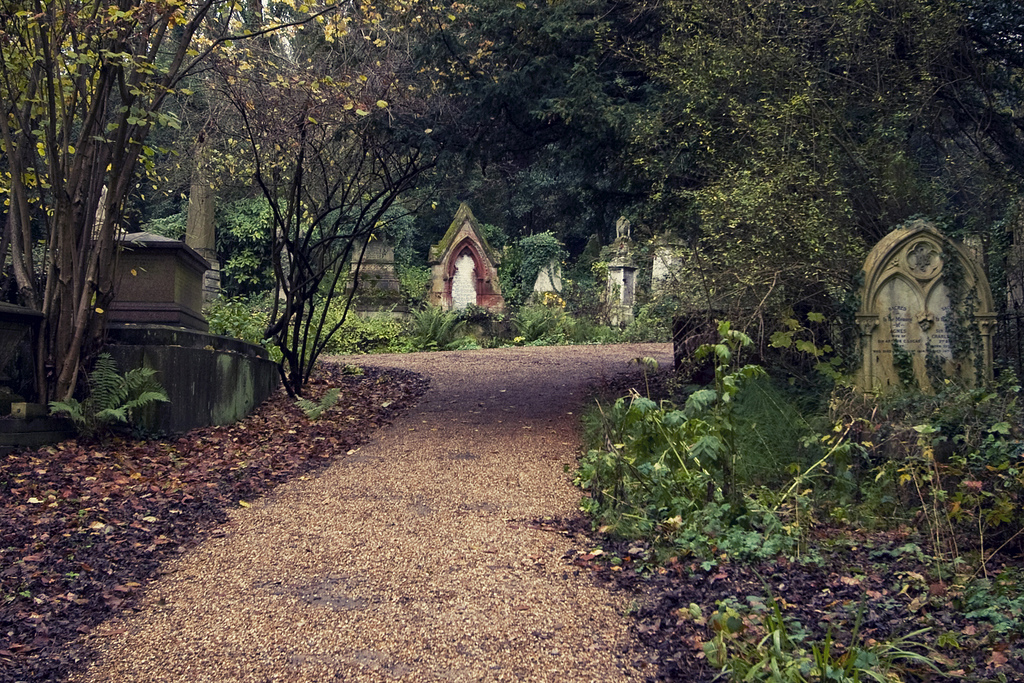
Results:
x,y
926,312
464,267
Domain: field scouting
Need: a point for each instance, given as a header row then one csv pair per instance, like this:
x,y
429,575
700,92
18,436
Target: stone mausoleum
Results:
x,y
464,267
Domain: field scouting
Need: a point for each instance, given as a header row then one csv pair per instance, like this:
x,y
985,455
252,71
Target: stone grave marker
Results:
x,y
926,312
666,265
378,289
464,267
549,279
376,269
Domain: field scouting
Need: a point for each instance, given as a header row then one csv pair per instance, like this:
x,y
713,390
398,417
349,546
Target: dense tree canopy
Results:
x,y
777,140
786,138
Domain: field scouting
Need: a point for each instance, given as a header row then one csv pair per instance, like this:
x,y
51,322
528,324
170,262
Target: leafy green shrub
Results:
x,y
510,273
771,435
414,282
550,325
238,317
586,331
583,291
113,398
478,315
246,319
243,227
374,334
651,323
172,226
539,324
954,461
660,462
808,345
694,477
243,318
759,643
463,344
995,599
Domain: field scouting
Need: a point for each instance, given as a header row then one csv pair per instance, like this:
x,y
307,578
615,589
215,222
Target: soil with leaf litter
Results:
x,y
85,525
877,580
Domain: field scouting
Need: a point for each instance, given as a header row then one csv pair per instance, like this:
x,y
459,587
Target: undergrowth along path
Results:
x,y
416,557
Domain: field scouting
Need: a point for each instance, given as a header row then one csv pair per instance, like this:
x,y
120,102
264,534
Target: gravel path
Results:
x,y
411,559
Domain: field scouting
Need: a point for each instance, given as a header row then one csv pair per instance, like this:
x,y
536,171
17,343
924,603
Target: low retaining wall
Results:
x,y
210,380
33,433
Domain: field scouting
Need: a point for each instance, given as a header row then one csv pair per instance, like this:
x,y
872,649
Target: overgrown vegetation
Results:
x,y
434,329
755,641
738,473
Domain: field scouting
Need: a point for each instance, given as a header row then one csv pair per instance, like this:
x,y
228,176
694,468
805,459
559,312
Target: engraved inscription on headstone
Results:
x,y
908,320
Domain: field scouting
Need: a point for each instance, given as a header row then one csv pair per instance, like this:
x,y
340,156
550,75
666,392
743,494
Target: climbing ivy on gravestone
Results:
x,y
537,252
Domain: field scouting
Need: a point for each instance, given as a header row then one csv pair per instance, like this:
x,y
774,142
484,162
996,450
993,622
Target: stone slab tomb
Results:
x,y
464,267
926,313
158,281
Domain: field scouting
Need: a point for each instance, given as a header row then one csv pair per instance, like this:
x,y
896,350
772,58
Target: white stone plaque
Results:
x,y
464,283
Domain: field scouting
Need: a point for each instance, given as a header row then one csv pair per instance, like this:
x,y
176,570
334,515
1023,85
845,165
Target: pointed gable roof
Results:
x,y
463,225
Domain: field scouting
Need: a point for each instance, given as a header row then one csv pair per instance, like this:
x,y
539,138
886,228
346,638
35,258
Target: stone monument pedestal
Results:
x,y
620,292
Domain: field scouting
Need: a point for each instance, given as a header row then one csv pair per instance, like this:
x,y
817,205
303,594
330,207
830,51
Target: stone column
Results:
x,y
621,285
200,232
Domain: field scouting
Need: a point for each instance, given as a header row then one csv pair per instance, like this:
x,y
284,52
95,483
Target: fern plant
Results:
x,y
113,398
314,409
435,329
536,323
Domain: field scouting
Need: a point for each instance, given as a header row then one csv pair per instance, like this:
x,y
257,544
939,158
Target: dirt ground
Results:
x,y
420,556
